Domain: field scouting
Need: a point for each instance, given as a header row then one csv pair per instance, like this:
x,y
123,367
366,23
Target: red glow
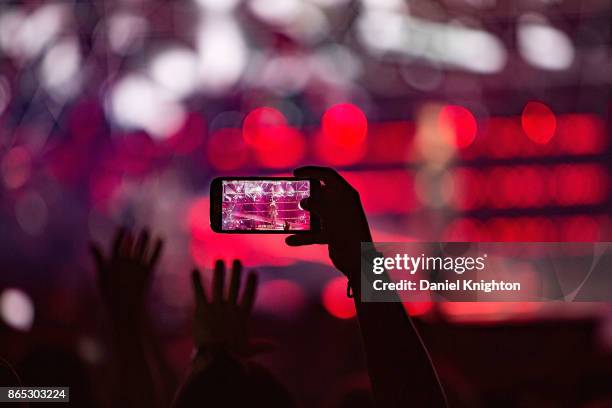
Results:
x,y
260,121
345,124
417,308
280,298
280,147
539,122
462,123
581,134
335,301
16,167
227,150
189,136
384,192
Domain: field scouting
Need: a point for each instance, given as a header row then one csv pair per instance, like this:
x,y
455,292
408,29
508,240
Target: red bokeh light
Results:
x,y
275,144
260,121
539,122
345,124
581,134
280,147
462,123
335,301
227,150
189,136
342,140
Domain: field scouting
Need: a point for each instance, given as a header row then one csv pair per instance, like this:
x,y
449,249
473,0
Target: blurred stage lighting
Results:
x,y
542,45
16,309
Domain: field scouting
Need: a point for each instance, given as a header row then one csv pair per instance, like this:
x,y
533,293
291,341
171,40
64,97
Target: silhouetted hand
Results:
x,y
222,320
124,276
343,222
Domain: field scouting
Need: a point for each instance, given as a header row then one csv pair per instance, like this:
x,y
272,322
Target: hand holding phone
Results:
x,y
344,225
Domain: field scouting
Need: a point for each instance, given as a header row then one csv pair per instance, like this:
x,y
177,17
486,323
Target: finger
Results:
x,y
157,249
141,244
235,282
96,252
250,289
198,289
118,242
218,278
305,239
127,245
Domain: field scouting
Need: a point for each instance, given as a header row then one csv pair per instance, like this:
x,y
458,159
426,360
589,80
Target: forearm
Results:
x,y
135,380
401,371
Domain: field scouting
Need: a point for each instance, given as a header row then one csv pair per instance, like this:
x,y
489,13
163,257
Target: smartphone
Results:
x,y
261,205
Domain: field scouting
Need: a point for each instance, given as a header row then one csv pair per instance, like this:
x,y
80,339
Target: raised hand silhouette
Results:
x,y
222,374
124,277
399,366
142,377
222,319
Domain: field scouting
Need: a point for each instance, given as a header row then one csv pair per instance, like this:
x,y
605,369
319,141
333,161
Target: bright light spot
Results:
x,y
335,301
449,44
60,68
17,309
310,25
24,36
176,70
16,167
278,12
137,102
461,123
543,45
222,53
126,32
261,120
346,124
283,147
31,213
276,145
474,50
11,22
280,298
539,122
218,5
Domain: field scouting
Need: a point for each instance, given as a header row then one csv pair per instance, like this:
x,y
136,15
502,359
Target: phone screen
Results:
x,y
264,205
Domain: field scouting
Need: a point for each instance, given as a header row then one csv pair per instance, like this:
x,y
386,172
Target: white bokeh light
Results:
x,y
278,12
60,68
25,36
17,309
126,32
386,32
544,46
176,69
136,102
222,53
218,5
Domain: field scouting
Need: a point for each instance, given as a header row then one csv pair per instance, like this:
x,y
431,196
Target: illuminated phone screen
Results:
x,y
264,205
